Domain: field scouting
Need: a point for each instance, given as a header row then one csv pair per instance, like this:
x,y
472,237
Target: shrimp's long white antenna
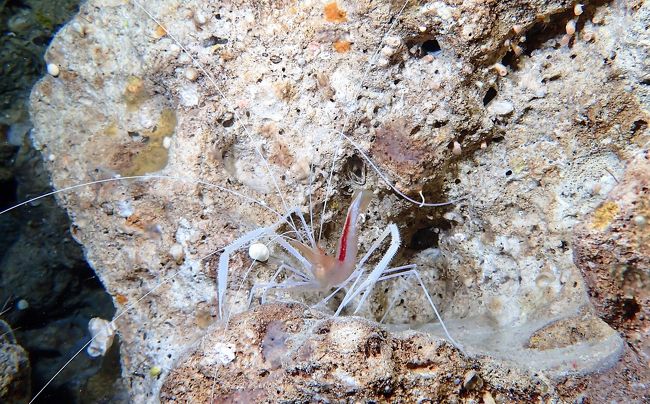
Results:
x,y
371,62
229,104
383,176
311,207
148,177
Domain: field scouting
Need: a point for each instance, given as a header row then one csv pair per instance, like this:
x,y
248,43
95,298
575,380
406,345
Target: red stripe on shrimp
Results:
x,y
343,248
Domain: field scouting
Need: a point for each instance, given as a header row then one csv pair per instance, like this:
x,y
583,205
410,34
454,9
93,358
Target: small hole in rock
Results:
x,y
630,308
427,237
509,60
639,125
214,40
508,173
489,96
430,47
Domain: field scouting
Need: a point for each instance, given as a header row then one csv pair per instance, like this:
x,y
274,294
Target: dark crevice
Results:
x,y
430,47
428,237
553,27
424,45
638,126
8,193
489,96
630,308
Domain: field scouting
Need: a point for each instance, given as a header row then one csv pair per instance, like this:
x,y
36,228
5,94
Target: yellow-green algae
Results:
x,y
134,94
153,155
604,215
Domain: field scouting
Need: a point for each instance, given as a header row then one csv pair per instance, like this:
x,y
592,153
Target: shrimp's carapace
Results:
x,y
330,271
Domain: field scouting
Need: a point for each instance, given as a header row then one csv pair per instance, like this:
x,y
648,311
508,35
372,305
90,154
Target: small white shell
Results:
x,y
258,252
571,27
102,331
191,74
578,9
53,69
457,150
199,18
177,253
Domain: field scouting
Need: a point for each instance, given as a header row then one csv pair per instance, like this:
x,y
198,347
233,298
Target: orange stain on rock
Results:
x,y
342,46
159,32
333,13
121,299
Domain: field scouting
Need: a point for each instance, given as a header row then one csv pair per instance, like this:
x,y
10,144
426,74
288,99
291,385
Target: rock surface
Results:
x,y
490,103
14,368
288,353
612,249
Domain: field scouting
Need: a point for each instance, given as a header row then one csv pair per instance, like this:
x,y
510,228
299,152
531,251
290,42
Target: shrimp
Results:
x,y
323,272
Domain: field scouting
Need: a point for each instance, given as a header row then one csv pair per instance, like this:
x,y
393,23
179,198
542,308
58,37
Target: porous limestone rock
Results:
x,y
612,249
14,368
226,92
288,353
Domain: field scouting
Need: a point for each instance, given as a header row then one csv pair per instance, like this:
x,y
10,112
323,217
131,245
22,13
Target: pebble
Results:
x,y
472,381
191,74
177,253
22,304
258,252
457,150
53,69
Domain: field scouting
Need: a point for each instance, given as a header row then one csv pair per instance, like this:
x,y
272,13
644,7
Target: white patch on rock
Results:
x,y
102,333
264,102
189,95
221,354
124,209
501,108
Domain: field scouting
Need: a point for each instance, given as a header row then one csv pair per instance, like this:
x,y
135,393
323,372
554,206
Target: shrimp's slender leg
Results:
x,y
379,269
399,292
286,284
222,272
358,272
310,234
337,290
263,286
416,274
367,284
224,259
